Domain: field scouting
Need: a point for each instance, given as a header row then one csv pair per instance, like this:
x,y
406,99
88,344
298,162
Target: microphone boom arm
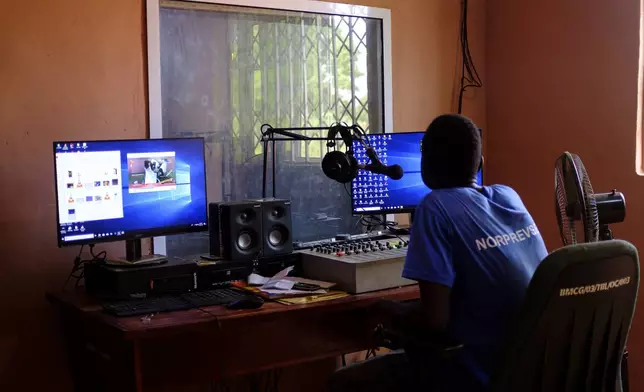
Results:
x,y
268,134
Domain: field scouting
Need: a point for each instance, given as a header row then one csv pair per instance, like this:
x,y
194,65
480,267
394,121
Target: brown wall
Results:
x,y
75,69
562,75
69,70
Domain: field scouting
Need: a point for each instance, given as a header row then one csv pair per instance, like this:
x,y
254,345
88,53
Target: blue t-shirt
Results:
x,y
486,247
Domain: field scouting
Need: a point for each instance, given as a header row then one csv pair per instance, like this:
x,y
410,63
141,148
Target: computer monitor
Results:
x,y
129,189
378,194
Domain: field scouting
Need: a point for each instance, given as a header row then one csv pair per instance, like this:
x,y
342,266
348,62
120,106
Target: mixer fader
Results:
x,y
360,265
365,247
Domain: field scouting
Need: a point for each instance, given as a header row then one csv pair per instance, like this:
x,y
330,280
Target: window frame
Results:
x,y
153,10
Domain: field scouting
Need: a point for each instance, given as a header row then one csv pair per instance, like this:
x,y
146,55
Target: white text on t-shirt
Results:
x,y
495,241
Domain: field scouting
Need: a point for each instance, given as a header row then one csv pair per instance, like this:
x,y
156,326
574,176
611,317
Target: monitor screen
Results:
x,y
378,194
129,189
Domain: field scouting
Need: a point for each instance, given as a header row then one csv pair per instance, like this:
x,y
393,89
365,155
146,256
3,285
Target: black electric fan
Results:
x,y
581,211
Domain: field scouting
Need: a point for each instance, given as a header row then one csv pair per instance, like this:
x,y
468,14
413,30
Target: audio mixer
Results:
x,y
358,265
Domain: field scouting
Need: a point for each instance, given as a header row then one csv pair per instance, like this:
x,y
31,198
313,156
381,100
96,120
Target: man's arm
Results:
x,y
429,262
435,306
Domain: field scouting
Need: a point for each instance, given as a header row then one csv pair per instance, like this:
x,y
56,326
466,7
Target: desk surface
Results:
x,y
213,343
78,302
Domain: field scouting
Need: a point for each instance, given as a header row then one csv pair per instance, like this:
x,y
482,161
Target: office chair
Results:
x,y
571,331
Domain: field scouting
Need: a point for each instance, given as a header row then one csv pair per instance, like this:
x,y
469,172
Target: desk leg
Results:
x,y
138,373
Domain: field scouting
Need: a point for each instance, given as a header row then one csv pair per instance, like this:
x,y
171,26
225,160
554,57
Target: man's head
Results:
x,y
451,152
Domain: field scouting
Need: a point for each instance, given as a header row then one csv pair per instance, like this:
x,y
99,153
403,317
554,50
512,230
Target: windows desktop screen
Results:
x,y
377,193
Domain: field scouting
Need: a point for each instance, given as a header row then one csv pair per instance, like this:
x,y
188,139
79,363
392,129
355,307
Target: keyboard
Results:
x,y
136,307
199,299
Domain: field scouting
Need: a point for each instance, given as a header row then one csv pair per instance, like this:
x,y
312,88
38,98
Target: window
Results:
x,y
220,71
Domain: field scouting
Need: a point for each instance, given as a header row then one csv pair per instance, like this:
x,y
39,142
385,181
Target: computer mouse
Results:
x,y
248,302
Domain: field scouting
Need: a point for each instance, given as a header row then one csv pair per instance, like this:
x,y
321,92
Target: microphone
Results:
x,y
395,172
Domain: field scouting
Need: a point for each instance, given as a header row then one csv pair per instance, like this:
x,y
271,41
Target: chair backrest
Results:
x,y
572,328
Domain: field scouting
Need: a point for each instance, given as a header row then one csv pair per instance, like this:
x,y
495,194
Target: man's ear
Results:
x,y
481,164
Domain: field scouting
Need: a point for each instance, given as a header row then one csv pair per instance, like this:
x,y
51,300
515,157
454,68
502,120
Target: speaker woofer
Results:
x,y
277,236
246,240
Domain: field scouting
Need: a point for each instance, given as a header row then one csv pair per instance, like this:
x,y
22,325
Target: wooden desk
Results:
x,y
107,353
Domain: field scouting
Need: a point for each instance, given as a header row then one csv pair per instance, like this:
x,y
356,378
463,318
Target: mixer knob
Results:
x,y
340,253
348,253
358,251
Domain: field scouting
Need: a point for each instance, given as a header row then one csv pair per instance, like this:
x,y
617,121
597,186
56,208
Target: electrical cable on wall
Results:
x,y
469,75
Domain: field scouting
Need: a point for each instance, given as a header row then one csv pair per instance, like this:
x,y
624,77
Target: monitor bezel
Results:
x,y
140,234
404,210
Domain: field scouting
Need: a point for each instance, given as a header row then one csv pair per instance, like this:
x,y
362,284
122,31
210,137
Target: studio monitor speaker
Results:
x,y
277,236
236,230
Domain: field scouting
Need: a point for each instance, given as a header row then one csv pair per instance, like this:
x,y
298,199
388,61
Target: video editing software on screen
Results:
x,y
112,189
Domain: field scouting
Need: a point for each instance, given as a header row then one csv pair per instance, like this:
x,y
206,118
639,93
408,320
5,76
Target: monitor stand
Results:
x,y
133,257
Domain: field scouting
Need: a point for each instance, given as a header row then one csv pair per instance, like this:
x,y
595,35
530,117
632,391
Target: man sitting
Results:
x,y
473,250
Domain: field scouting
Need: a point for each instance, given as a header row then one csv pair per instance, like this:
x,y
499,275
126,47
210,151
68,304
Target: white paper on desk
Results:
x,y
278,285
257,280
277,282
